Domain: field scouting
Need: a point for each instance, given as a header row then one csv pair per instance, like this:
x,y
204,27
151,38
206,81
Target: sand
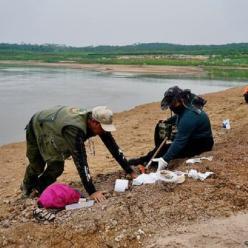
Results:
x,y
212,213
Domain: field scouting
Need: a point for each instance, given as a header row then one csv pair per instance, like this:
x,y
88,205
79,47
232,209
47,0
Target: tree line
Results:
x,y
141,48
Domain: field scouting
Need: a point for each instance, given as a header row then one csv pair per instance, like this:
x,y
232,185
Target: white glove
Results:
x,y
161,163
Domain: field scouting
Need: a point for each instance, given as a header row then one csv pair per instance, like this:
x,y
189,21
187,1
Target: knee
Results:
x,y
36,167
59,171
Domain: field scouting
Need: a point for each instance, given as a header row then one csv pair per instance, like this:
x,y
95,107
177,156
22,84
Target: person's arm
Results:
x,y
171,120
75,139
114,149
185,128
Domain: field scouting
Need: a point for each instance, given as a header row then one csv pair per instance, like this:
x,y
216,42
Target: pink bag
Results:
x,y
58,195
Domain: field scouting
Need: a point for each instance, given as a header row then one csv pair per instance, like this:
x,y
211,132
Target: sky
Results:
x,y
120,22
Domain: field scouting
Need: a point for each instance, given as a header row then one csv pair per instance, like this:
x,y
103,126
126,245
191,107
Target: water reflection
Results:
x,y
24,91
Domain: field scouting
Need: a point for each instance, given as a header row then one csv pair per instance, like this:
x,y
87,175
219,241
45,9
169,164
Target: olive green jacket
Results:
x,y
48,126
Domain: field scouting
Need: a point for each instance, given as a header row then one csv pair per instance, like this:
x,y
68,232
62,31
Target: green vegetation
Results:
x,y
220,61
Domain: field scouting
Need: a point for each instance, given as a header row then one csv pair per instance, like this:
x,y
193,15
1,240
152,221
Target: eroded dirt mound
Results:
x,y
141,215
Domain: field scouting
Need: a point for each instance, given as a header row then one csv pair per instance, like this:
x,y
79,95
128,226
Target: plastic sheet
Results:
x,y
81,204
164,175
198,175
198,160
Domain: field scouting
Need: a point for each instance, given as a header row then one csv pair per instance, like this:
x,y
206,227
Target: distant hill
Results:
x,y
142,48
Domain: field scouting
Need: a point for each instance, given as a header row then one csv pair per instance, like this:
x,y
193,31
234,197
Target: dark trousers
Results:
x,y
36,175
194,147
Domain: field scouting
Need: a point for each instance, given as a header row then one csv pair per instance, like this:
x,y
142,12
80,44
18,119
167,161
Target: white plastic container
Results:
x,y
81,204
226,124
121,185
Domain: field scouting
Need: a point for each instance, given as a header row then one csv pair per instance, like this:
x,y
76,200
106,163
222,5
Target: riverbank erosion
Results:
x,y
210,213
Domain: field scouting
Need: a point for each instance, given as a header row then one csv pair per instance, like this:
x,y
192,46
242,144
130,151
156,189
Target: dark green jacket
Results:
x,y
191,125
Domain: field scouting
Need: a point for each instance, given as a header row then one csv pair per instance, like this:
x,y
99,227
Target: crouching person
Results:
x,y
194,134
55,134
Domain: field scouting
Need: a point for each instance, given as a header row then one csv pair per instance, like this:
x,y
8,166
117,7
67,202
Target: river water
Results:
x,y
23,91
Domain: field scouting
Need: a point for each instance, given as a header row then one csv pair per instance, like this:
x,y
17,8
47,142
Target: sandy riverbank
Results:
x,y
137,69
192,214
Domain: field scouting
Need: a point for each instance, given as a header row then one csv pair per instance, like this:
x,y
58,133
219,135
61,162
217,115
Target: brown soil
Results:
x,y
212,213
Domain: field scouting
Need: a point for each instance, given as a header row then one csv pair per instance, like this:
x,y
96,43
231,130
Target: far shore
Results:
x,y
110,68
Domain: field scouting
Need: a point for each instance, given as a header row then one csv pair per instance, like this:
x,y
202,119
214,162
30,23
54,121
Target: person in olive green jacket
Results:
x,y
55,134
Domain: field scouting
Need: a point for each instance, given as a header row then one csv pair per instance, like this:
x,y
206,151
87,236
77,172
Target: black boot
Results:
x,y
28,185
26,190
138,161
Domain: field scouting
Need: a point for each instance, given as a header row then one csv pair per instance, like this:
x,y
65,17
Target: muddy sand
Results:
x,y
210,213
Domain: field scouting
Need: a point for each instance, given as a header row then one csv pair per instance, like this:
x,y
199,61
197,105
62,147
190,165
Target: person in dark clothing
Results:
x,y
246,94
194,134
55,134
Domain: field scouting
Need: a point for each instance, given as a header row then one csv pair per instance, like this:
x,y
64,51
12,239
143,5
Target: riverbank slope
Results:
x,y
150,215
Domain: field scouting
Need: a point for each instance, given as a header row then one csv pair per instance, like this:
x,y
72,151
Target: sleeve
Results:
x,y
186,127
171,120
75,139
116,152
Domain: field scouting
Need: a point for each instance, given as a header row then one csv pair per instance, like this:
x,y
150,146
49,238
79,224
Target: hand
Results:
x,y
161,163
142,169
133,175
97,196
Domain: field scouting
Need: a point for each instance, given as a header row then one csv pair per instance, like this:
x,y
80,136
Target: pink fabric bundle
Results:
x,y
58,195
